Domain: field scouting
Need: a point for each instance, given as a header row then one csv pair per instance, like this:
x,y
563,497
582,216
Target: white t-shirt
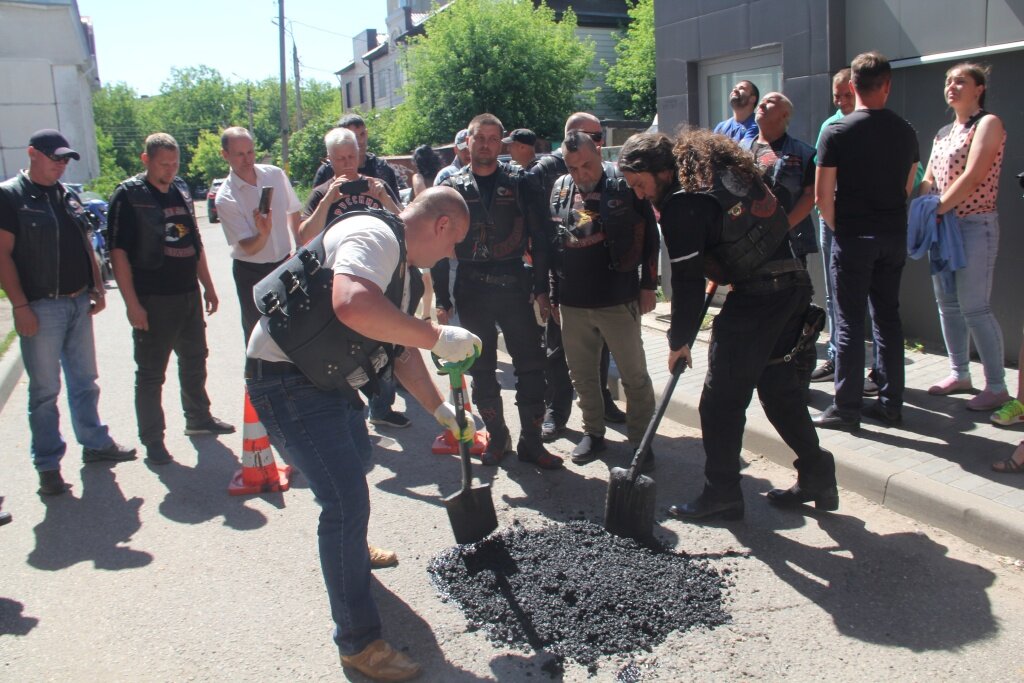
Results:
x,y
362,246
237,199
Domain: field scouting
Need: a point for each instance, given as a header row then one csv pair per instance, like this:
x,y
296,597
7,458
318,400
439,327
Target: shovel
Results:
x,y
629,505
471,509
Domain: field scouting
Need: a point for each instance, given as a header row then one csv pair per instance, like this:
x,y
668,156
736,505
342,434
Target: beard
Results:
x,y
739,100
587,188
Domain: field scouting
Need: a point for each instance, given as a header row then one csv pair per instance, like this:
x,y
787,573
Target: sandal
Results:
x,y
1008,466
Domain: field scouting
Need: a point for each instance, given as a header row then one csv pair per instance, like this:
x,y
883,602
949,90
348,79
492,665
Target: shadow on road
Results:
x,y
900,589
199,494
92,528
418,640
12,621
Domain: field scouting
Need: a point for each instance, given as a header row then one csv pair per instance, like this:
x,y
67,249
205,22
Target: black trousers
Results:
x,y
175,324
867,272
482,309
246,276
751,330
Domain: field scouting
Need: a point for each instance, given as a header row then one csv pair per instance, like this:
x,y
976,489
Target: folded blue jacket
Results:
x,y
940,238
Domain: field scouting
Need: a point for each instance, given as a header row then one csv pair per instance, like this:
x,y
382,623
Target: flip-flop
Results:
x,y
1008,466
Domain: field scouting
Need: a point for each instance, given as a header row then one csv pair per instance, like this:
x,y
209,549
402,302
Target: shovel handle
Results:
x,y
455,372
677,370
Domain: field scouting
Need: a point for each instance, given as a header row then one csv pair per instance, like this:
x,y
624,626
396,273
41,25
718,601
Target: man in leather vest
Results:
x,y
721,220
52,279
316,410
494,287
159,262
605,235
558,397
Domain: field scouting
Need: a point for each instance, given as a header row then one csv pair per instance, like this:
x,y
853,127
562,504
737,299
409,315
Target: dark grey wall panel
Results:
x,y
724,33
1005,21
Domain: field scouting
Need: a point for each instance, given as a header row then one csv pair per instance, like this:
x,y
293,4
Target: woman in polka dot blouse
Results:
x,y
963,170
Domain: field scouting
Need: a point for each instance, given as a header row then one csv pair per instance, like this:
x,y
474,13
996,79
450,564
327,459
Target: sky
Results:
x,y
138,43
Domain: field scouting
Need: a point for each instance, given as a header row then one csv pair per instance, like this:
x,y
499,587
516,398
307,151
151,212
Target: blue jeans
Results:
x,y
380,403
327,440
64,340
830,308
966,309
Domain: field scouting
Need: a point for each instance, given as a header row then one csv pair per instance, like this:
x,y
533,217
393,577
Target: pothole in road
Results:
x,y
578,592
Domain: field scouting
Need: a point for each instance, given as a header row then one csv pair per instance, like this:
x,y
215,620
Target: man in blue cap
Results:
x,y
50,273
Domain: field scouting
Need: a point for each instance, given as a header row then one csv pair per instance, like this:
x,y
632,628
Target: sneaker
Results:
x,y
392,418
113,452
210,426
157,454
382,557
52,484
550,428
5,518
988,400
826,372
870,388
1009,414
381,662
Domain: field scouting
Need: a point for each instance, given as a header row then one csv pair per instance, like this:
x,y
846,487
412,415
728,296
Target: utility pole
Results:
x,y
298,88
248,104
284,86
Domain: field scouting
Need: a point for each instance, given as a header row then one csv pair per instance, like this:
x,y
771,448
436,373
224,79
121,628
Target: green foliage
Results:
x,y
506,57
110,172
632,77
207,162
118,110
306,148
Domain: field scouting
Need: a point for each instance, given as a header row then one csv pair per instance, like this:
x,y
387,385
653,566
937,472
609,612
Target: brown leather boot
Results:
x,y
530,447
381,662
492,412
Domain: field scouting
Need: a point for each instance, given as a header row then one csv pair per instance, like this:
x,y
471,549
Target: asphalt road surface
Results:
x,y
158,575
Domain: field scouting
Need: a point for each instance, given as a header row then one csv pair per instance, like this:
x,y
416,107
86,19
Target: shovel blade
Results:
x,y
471,513
629,506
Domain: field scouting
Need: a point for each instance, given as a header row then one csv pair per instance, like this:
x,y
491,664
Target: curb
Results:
x,y
11,368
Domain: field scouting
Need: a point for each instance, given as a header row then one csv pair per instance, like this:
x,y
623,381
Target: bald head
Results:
x,y
435,221
587,123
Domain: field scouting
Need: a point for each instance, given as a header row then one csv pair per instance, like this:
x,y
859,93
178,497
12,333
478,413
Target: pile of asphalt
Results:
x,y
578,592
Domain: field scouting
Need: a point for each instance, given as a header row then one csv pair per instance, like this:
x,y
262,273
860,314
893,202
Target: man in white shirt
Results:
x,y
259,242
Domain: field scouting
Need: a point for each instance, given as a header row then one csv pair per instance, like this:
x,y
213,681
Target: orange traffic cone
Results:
x,y
259,473
446,444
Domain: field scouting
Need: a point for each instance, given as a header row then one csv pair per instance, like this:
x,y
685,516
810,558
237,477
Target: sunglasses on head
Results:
x,y
60,159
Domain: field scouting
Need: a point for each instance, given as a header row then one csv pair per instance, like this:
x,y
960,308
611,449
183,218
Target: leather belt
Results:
x,y
257,368
769,285
489,278
72,295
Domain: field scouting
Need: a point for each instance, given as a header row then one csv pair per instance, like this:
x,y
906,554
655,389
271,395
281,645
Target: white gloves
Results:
x,y
455,344
445,415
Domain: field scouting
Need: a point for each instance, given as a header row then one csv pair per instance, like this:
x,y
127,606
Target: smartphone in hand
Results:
x,y
361,186
266,194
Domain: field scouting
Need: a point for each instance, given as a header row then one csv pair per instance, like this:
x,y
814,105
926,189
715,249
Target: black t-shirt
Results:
x,y
872,151
485,184
178,274
768,155
75,268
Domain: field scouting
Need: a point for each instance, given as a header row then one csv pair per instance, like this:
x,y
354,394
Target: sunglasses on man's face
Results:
x,y
596,137
60,159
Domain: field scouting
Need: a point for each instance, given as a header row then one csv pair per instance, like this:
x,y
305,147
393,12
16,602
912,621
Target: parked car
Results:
x,y
211,207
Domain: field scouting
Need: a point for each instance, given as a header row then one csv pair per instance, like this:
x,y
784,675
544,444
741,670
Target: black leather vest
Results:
x,y
754,224
150,224
496,232
297,297
36,252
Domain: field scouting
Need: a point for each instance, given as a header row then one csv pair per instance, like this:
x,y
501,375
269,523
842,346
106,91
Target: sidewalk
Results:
x,y
10,360
933,468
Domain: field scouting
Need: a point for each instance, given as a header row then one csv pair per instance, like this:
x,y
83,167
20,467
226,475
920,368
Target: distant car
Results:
x,y
74,187
211,207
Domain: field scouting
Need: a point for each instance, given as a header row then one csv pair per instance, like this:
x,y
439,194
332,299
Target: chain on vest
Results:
x,y
622,228
754,224
297,298
496,232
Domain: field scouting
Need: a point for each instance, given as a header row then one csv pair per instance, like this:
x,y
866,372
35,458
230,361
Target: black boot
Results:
x,y
824,499
492,412
530,447
710,504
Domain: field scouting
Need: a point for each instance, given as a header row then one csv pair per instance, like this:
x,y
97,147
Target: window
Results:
x,y
362,90
348,95
718,76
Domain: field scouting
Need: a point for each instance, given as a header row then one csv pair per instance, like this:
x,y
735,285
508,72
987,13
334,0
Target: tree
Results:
x,y
632,77
306,148
506,57
119,112
111,174
207,162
